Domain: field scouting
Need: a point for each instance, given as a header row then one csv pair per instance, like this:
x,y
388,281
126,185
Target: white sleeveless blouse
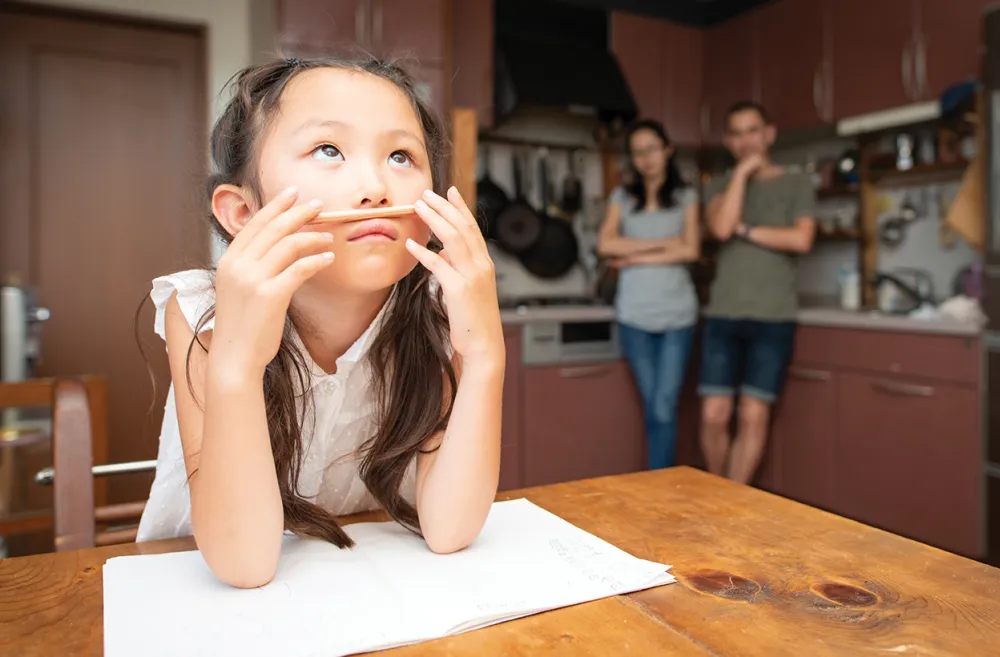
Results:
x,y
338,420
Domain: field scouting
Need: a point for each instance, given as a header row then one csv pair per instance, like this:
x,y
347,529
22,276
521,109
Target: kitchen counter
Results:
x,y
875,321
581,313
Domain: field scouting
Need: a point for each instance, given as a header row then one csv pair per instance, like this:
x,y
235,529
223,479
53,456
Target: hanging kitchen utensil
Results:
x,y
518,226
557,250
491,199
572,196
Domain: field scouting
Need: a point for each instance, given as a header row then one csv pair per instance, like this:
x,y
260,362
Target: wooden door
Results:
x,y
683,82
949,43
472,45
730,71
103,162
872,44
802,446
635,42
580,421
908,460
793,64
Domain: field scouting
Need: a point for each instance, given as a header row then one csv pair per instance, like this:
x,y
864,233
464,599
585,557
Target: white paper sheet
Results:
x,y
390,590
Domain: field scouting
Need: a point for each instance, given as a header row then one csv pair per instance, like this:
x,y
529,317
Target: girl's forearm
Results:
x,y
237,514
625,246
461,482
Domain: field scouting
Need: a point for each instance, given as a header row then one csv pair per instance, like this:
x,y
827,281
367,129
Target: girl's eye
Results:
x,y
401,158
327,152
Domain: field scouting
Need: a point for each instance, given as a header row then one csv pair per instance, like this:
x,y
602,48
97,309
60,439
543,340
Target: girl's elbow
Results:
x,y
243,573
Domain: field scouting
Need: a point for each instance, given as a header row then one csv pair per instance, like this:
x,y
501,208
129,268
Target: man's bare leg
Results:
x,y
715,415
751,438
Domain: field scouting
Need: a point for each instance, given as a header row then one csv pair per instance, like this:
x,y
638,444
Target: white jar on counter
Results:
x,y
849,281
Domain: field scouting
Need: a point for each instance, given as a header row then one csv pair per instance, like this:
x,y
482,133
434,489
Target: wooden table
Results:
x,y
757,575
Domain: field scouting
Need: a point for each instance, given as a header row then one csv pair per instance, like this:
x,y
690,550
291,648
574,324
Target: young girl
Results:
x,y
651,232
316,372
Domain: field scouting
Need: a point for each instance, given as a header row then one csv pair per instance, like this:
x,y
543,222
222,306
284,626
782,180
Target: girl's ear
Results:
x,y
231,207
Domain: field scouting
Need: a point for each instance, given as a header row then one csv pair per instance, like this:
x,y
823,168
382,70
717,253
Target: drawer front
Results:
x,y
940,357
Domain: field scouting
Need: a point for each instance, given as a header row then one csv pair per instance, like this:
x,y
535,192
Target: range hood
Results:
x,y
554,56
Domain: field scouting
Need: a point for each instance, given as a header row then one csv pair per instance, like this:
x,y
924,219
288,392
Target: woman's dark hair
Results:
x,y
666,194
413,402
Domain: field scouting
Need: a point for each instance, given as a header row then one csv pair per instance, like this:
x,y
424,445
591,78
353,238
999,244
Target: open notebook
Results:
x,y
389,590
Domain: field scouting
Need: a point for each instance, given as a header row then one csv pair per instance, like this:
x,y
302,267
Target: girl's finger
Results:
x,y
300,271
444,272
280,203
293,247
286,223
451,238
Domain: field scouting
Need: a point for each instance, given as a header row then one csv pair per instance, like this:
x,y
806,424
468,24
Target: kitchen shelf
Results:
x,y
838,236
920,174
837,191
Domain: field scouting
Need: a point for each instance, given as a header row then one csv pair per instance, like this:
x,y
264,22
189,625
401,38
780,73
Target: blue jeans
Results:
x,y
749,355
658,362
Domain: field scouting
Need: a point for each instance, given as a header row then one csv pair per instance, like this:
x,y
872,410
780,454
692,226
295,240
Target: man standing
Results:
x,y
764,217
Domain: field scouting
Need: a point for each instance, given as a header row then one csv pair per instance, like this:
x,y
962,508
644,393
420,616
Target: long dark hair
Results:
x,y
666,195
413,402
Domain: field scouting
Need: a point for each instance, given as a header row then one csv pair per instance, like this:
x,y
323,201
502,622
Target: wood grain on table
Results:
x,y
757,575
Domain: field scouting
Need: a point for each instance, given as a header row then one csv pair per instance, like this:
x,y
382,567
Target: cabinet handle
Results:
x,y
905,389
906,72
920,67
809,375
360,21
583,372
818,91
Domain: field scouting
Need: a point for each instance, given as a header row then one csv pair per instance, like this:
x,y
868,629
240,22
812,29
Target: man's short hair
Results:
x,y
745,105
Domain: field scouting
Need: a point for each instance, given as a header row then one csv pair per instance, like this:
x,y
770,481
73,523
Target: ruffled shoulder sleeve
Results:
x,y
195,290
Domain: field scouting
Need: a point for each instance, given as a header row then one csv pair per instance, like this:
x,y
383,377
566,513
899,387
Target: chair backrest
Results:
x,y
78,412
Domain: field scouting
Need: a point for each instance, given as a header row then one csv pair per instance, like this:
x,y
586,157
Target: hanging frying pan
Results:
x,y
490,200
557,249
518,226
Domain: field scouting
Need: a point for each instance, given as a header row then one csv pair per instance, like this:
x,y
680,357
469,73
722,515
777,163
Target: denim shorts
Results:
x,y
745,354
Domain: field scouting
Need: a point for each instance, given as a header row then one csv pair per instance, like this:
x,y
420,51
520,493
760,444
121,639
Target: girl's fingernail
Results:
x,y
328,236
291,191
420,204
315,203
328,255
428,193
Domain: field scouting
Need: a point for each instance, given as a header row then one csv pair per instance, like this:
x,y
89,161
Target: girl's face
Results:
x,y
649,153
351,140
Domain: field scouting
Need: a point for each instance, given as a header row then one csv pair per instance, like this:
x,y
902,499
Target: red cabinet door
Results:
x,y
510,447
948,44
313,26
800,462
682,82
410,28
580,421
872,48
908,458
730,71
794,70
636,41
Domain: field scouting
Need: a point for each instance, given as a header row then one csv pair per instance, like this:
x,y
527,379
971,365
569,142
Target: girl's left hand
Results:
x,y
465,273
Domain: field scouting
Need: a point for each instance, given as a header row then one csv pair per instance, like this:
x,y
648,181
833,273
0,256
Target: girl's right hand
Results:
x,y
263,266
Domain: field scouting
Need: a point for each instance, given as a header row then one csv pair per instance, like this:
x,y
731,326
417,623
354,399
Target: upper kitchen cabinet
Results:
x,y
472,46
307,27
731,71
795,68
416,28
683,82
873,67
662,63
948,43
636,43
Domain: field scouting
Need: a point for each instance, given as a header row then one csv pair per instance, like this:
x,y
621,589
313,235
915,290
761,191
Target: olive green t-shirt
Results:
x,y
754,282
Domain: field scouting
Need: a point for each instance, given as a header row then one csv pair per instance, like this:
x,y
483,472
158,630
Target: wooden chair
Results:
x,y
77,522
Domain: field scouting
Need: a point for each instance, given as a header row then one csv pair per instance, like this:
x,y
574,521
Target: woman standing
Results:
x,y
650,231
